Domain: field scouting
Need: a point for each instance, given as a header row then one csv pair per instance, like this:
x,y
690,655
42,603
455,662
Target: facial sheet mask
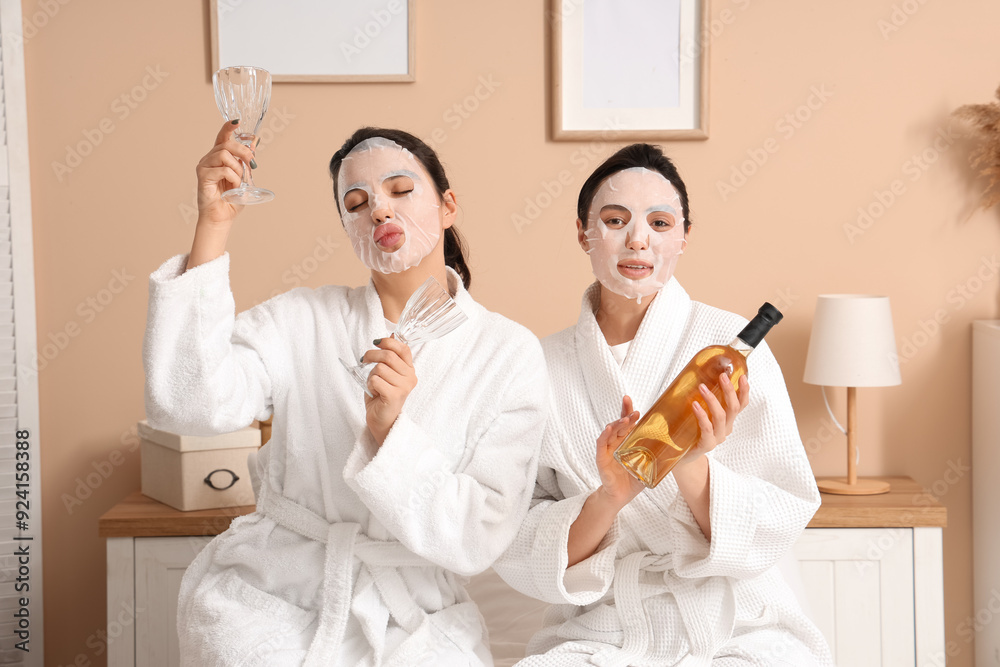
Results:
x,y
629,253
400,200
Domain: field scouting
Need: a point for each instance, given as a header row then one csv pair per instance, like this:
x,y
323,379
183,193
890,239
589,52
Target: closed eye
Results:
x,y
355,200
399,185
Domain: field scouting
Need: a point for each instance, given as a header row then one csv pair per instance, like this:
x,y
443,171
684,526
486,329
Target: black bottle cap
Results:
x,y
757,328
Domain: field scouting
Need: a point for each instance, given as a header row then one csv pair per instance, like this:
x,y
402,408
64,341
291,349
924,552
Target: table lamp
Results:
x,y
852,345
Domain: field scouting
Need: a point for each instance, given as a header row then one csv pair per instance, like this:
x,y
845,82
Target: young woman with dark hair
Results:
x,y
684,573
371,510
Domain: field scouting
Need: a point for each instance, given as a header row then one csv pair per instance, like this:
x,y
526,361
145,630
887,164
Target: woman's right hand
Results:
x,y
218,171
618,486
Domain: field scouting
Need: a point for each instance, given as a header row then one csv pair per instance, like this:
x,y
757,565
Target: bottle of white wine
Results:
x,y
670,428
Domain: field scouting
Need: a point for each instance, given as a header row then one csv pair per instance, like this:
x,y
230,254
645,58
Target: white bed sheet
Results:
x,y
511,618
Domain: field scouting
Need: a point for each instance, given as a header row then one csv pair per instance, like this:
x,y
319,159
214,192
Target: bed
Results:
x,y
512,618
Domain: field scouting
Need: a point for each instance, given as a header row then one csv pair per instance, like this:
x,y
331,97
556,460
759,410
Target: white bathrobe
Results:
x,y
656,592
356,554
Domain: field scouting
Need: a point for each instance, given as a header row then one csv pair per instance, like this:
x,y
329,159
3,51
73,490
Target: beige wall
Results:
x,y
781,236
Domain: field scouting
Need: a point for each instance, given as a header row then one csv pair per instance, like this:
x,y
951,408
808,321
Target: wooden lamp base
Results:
x,y
862,487
852,485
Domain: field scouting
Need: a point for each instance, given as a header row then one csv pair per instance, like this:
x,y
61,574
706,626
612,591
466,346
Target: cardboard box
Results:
x,y
190,472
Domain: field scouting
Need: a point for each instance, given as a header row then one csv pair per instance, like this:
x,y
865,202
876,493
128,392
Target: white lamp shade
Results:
x,y
852,342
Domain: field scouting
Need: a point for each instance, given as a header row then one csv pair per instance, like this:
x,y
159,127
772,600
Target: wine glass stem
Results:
x,y
247,183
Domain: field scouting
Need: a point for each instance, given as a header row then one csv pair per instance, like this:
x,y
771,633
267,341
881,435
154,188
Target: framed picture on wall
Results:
x,y
316,40
635,70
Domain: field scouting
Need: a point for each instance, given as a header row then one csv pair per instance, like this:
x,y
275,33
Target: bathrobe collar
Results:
x,y
648,367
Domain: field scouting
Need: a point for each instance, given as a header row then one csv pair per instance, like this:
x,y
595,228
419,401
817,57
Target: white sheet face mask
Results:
x,y
389,206
635,232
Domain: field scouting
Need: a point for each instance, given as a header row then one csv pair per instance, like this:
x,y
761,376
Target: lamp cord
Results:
x,y
857,455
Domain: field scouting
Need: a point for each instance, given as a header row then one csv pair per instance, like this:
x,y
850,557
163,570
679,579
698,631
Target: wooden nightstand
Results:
x,y
149,547
874,576
871,566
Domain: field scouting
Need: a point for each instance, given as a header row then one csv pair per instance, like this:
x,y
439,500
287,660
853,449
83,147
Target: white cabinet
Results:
x,y
144,575
159,565
875,593
985,489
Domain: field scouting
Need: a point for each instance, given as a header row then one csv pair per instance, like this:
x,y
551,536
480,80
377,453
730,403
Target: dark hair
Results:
x,y
637,155
454,246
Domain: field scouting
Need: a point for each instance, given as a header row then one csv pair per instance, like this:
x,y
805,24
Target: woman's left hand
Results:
x,y
390,382
717,423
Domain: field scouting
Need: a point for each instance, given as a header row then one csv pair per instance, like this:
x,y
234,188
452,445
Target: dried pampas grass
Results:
x,y
986,119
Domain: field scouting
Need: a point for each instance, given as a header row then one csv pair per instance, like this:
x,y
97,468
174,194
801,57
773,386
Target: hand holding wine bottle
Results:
x,y
617,485
677,421
717,423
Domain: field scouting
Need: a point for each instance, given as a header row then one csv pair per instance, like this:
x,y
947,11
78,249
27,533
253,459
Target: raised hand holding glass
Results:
x,y
243,93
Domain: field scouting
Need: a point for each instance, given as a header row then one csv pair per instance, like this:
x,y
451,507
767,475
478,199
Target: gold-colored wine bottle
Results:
x,y
670,428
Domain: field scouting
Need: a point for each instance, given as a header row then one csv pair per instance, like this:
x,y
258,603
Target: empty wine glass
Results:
x,y
430,313
243,93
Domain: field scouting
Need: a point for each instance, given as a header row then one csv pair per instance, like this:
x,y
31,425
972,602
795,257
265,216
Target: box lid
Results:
x,y
245,437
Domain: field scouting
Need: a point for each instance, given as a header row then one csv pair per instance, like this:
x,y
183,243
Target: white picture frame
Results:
x,y
316,40
629,71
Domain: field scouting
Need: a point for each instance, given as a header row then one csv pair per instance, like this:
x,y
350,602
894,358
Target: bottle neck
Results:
x,y
741,346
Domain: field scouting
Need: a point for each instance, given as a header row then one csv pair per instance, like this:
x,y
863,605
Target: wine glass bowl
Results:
x,y
429,313
243,93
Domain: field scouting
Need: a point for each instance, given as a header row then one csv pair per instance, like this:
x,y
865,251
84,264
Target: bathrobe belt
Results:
x,y
344,543
707,606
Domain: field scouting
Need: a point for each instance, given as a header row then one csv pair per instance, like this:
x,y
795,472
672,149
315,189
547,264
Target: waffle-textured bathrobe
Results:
x,y
656,592
356,554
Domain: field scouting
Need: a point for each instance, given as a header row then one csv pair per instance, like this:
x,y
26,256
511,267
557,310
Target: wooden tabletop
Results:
x,y
907,505
141,516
